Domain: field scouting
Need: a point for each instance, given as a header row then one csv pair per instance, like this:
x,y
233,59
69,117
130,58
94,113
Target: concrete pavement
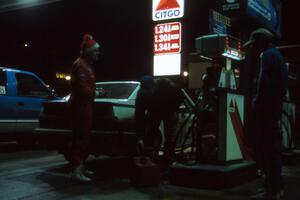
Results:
x,y
37,174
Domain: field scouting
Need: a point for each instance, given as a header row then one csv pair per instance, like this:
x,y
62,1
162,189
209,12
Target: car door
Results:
x,y
7,105
31,93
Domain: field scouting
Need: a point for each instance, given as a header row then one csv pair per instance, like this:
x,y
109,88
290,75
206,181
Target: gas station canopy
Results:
x,y
10,5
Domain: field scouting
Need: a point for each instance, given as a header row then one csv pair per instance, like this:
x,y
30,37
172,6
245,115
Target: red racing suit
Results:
x,y
81,104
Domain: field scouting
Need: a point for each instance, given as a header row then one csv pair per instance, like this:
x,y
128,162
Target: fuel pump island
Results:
x,y
216,137
231,163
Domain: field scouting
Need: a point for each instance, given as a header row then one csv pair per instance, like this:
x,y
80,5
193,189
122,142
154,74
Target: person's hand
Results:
x,y
140,146
141,143
97,93
100,92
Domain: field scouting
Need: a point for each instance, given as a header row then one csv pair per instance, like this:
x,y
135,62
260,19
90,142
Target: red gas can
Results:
x,y
144,172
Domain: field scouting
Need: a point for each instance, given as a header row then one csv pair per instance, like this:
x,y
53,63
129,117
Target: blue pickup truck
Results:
x,y
22,94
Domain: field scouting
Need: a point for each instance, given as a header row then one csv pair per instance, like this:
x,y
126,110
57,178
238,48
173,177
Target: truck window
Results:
x,y
2,83
30,86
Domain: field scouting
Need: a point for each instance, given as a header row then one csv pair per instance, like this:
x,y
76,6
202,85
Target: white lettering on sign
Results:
x,y
167,9
167,38
2,90
260,9
175,37
221,18
175,28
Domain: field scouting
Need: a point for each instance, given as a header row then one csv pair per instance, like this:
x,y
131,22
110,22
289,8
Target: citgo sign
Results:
x,y
167,9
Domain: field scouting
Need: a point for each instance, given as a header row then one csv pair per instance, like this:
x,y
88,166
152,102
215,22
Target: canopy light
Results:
x,y
185,73
6,6
68,77
60,75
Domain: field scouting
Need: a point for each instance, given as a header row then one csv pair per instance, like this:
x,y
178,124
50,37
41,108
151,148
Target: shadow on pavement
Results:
x,y
111,175
112,179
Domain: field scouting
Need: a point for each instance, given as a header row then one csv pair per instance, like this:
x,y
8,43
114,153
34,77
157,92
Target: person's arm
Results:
x,y
264,78
140,113
83,84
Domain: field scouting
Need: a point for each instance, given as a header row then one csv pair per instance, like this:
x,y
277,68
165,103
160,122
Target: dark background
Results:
x,y
123,29
54,32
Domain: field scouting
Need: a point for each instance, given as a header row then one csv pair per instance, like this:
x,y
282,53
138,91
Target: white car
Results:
x,y
114,125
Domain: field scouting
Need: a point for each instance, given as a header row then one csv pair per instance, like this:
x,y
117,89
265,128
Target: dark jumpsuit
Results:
x,y
164,104
81,104
267,106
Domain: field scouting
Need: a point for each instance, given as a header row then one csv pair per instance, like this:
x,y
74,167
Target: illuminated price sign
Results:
x,y
167,38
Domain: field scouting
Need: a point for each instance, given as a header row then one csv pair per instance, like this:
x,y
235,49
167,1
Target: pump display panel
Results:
x,y
217,45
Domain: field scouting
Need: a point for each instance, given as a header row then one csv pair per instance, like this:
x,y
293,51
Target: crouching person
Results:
x,y
142,104
157,101
165,101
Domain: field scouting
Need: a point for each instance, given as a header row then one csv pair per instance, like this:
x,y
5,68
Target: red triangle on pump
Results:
x,y
167,4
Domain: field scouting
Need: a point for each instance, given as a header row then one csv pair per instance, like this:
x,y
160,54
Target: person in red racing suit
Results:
x,y
81,104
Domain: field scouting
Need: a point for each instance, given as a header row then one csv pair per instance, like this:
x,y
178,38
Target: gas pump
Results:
x,y
226,50
229,165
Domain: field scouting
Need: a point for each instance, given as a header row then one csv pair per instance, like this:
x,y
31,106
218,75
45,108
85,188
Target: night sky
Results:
x,y
123,29
54,33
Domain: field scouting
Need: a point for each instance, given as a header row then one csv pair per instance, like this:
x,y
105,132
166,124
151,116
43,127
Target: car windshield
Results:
x,y
115,90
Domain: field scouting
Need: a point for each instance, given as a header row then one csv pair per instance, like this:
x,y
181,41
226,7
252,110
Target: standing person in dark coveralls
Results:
x,y
81,103
142,104
267,109
164,104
